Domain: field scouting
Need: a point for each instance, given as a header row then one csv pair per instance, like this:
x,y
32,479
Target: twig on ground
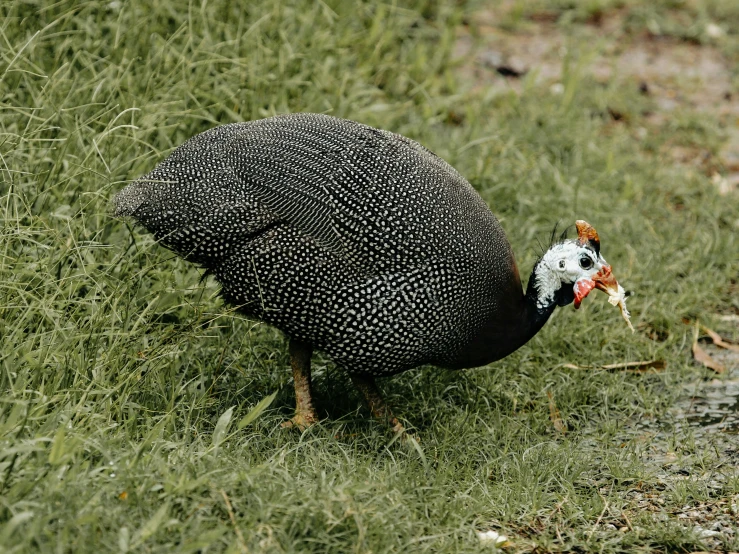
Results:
x,y
554,415
232,517
602,513
640,366
628,521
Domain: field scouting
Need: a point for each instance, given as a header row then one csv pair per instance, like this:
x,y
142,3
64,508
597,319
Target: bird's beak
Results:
x,y
603,280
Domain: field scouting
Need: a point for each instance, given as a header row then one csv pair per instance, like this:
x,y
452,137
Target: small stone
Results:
x,y
725,185
714,31
492,537
491,58
706,533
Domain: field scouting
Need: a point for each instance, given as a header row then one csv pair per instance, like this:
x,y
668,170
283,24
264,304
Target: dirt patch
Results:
x,y
704,420
679,77
678,74
484,60
713,405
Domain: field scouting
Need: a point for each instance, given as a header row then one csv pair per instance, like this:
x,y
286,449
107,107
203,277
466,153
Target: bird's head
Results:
x,y
570,269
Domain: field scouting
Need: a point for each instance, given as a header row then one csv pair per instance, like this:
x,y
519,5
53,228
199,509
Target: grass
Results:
x,y
123,378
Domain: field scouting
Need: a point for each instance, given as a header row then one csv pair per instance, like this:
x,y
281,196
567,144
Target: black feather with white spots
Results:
x,y
356,240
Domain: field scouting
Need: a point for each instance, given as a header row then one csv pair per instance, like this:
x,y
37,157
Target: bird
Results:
x,y
357,242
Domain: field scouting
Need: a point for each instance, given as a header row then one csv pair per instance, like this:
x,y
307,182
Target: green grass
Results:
x,y
117,363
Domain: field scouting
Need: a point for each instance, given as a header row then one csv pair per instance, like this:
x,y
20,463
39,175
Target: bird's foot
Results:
x,y
305,412
300,421
401,434
397,428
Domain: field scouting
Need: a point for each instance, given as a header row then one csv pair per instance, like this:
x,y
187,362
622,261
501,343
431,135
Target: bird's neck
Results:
x,y
508,330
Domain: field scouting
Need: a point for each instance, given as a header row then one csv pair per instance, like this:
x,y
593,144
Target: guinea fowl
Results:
x,y
358,242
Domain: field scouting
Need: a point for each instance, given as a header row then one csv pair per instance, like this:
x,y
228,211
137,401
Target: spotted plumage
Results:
x,y
352,240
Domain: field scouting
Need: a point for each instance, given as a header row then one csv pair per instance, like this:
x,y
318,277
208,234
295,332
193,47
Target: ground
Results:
x,y
140,413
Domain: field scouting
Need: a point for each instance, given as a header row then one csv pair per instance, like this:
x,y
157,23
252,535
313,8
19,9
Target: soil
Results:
x,y
704,420
678,76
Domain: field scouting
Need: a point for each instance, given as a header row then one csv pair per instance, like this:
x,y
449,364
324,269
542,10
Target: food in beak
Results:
x,y
605,281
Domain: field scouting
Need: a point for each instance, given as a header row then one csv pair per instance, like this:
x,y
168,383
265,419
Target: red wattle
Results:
x,y
582,288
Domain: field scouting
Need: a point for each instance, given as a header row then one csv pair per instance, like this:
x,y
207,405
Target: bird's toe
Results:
x,y
300,421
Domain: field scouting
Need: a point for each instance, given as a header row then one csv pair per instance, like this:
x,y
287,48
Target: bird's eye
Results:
x,y
586,263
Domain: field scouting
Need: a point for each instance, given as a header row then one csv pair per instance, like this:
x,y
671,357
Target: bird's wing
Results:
x,y
356,190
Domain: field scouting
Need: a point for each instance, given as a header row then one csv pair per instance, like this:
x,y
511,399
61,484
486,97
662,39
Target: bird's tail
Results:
x,y
201,220
127,201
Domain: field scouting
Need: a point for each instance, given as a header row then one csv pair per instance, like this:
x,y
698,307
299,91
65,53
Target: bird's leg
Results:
x,y
368,388
305,412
